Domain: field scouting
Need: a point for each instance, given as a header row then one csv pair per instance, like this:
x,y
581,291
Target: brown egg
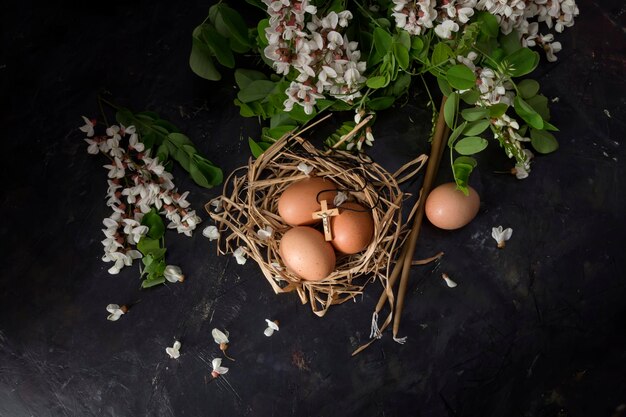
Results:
x,y
352,229
305,253
448,208
299,201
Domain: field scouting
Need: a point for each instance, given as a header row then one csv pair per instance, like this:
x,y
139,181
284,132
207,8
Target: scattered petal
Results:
x,y
219,336
265,233
448,281
88,126
211,233
501,236
174,350
608,114
116,311
340,198
240,255
217,204
218,369
173,273
272,326
305,168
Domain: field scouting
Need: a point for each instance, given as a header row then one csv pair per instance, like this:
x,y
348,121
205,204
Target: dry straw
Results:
x,y
249,203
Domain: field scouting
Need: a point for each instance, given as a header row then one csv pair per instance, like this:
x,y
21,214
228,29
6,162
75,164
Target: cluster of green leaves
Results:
x,y
152,247
394,58
164,138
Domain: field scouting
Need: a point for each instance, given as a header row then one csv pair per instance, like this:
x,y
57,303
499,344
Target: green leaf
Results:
x,y
461,77
382,40
462,171
148,245
470,145
256,90
524,61
526,112
233,24
471,96
255,148
163,153
489,24
539,103
243,77
466,160
147,283
381,103
402,54
542,141
198,176
528,88
474,113
441,53
179,139
401,85
278,132
511,42
182,158
200,60
456,133
211,173
377,81
477,127
498,110
549,126
444,86
218,44
450,108
261,37
417,46
153,220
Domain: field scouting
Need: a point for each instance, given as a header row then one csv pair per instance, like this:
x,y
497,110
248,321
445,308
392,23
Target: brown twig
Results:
x,y
436,152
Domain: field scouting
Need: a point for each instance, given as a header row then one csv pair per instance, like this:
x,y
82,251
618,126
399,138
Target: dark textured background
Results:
x,y
536,329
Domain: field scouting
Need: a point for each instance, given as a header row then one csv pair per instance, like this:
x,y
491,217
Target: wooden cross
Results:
x,y
325,213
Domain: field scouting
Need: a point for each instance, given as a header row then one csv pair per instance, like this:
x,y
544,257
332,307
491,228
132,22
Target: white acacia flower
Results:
x,y
116,312
501,236
116,169
113,132
340,198
445,29
218,369
520,171
173,351
265,233
217,205
135,144
240,255
93,148
448,280
88,126
306,169
211,233
173,273
219,336
272,326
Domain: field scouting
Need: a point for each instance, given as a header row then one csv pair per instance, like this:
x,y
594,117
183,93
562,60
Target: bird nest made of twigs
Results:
x,y
249,203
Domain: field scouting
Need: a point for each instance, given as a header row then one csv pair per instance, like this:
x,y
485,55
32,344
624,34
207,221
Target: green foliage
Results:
x,y
152,248
169,143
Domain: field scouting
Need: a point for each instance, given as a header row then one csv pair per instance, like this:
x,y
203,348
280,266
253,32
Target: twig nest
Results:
x,y
449,208
253,198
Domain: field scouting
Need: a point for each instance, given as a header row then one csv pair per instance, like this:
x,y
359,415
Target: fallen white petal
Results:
x,y
272,324
340,198
219,336
305,168
173,352
217,204
448,281
265,233
268,332
240,255
211,233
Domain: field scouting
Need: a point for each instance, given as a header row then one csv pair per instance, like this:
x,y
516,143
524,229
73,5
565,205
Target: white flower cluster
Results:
x,y
137,183
524,16
326,61
493,87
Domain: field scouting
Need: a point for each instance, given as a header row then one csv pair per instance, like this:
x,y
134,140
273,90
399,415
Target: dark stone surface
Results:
x,y
536,329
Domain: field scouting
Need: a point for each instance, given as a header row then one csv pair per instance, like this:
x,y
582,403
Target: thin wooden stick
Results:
x,y
436,152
